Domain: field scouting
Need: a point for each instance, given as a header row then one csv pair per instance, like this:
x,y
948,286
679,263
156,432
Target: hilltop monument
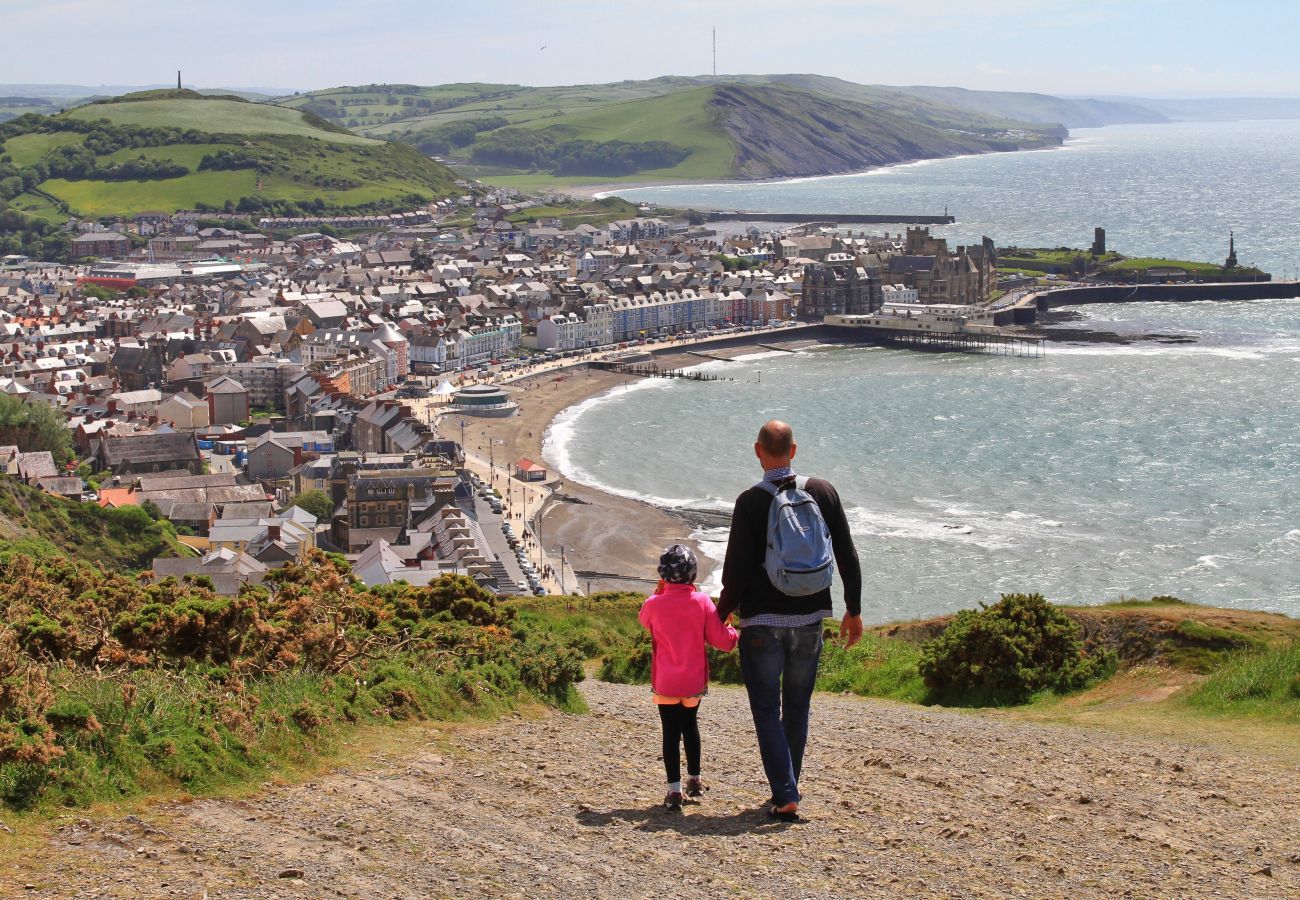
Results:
x,y
1231,262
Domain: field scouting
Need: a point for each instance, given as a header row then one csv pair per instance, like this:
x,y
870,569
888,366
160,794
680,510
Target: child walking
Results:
x,y
681,621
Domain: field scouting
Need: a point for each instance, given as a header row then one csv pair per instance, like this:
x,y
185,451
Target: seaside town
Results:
x,y
268,396
449,453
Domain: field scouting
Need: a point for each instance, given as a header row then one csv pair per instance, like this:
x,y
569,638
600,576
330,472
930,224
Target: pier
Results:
x,y
648,370
937,342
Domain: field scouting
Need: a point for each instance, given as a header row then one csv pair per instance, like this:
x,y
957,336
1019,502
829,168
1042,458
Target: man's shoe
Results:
x,y
787,813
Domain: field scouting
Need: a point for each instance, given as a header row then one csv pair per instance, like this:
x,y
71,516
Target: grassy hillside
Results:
x,y
670,128
34,523
215,115
267,159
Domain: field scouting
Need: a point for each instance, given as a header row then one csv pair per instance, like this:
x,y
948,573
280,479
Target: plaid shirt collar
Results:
x,y
779,474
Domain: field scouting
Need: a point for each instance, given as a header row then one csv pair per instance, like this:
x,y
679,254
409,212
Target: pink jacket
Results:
x,y
681,621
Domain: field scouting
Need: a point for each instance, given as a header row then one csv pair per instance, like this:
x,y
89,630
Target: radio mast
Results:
x,y
715,53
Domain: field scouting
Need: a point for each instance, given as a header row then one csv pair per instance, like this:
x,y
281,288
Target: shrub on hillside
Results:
x,y
1007,652
108,682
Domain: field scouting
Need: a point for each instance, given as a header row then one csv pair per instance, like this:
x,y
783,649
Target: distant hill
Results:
x,y
1083,113
168,150
1220,109
670,128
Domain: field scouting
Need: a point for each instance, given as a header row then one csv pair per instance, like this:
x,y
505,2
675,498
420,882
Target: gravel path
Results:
x,y
901,802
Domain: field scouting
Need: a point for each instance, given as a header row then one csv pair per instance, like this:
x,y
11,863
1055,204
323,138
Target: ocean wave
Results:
x,y
1254,352
960,524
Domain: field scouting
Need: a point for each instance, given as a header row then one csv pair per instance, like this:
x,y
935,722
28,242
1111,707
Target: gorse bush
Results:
x,y
105,679
1007,652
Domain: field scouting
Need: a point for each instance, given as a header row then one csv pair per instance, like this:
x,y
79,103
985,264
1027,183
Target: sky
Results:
x,y
1165,48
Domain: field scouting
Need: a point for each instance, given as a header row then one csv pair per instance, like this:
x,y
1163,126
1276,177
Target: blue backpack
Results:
x,y
799,561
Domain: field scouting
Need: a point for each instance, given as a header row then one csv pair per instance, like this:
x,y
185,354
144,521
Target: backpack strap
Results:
x,y
767,486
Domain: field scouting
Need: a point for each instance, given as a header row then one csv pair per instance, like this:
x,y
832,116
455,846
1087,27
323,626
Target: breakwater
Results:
x,y
1176,293
741,215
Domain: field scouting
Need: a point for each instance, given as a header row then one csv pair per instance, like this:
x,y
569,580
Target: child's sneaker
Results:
x,y
673,802
694,786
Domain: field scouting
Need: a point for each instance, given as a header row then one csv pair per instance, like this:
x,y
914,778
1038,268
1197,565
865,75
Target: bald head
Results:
x,y
775,445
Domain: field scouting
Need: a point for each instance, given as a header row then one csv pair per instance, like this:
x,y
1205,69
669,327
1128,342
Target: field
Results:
x,y
291,160
1146,262
571,215
213,117
29,148
38,207
103,198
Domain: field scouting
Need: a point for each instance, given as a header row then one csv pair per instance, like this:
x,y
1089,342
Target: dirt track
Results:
x,y
901,802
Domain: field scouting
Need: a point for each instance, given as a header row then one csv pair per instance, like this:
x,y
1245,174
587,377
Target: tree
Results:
x,y
33,427
318,503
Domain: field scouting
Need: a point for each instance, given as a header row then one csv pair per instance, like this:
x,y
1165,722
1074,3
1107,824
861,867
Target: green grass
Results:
x,y
1149,262
213,117
166,737
592,212
594,626
874,667
26,149
103,198
188,155
39,207
301,169
1261,684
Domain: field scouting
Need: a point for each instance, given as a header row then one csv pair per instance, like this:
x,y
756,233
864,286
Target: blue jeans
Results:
x,y
780,669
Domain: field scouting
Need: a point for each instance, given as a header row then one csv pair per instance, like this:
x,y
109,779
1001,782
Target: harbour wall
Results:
x,y
1176,293
829,218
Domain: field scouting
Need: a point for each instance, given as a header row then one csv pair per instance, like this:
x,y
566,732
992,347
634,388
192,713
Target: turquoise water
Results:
x,y
1168,190
1094,473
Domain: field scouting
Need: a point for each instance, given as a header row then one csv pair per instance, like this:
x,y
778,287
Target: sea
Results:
x,y
1095,473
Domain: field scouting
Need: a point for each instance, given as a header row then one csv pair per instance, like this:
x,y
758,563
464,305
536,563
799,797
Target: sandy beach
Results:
x,y
610,542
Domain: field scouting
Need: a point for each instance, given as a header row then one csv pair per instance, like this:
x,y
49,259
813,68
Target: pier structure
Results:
x,y
648,370
938,341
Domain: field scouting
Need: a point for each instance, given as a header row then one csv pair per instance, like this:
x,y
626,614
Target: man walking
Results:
x,y
781,623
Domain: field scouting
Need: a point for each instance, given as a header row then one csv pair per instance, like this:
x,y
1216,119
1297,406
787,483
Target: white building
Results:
x,y
478,344
897,294
558,332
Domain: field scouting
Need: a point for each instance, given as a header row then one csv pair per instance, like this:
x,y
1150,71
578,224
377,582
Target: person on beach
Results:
x,y
682,621
781,631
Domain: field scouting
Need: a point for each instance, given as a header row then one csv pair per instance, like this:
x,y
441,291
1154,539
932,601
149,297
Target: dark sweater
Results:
x,y
745,585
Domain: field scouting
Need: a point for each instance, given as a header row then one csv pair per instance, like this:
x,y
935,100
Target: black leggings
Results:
x,y
681,726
